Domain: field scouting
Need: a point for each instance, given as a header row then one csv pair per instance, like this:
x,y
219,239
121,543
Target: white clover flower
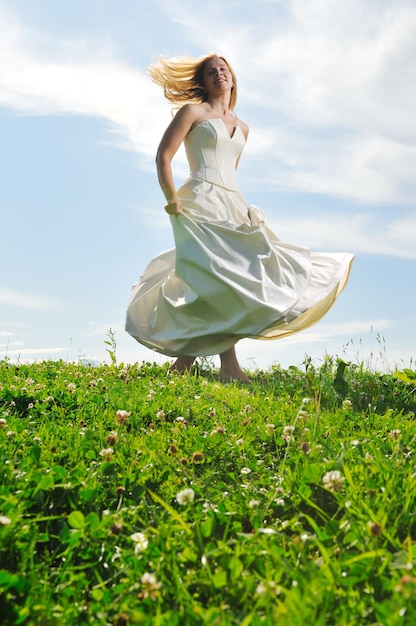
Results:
x,y
219,430
71,387
122,416
111,438
208,506
150,586
106,452
148,579
140,542
270,586
305,447
347,404
186,496
333,480
261,589
287,430
198,457
3,423
5,521
395,434
245,470
254,504
239,442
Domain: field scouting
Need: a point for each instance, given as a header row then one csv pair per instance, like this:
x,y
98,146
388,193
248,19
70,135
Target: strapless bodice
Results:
x,y
212,154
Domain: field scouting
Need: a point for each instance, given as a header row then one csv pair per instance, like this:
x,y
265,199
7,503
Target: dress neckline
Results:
x,y
219,119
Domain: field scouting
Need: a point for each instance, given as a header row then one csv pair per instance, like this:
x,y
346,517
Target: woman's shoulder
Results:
x,y
191,111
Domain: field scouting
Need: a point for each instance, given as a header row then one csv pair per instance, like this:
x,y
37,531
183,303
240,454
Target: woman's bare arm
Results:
x,y
171,140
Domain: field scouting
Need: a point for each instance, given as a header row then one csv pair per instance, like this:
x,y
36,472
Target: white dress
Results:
x,y
229,275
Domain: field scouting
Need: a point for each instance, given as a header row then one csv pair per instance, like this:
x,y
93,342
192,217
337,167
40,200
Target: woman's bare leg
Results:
x,y
230,368
182,364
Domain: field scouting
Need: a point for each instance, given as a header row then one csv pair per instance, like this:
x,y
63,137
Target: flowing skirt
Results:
x,y
229,278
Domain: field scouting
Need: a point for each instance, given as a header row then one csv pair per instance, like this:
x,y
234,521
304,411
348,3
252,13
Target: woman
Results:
x,y
229,275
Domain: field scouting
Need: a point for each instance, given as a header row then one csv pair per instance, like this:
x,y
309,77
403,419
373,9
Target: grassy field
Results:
x,y
133,496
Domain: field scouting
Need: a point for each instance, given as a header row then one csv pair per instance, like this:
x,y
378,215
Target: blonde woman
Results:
x,y
229,276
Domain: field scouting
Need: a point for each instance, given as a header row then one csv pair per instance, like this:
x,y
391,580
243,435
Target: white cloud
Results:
x,y
357,341
4,347
331,82
324,331
79,79
367,168
37,352
367,233
329,62
16,299
334,86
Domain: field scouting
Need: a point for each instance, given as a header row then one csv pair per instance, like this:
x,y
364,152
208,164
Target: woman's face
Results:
x,y
217,76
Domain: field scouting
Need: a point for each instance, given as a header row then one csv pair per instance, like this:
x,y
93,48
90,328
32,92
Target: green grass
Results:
x,y
131,496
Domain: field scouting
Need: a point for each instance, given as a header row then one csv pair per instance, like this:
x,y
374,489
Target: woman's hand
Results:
x,y
174,207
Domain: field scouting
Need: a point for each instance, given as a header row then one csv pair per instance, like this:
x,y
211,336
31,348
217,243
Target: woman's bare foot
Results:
x,y
233,375
182,364
230,369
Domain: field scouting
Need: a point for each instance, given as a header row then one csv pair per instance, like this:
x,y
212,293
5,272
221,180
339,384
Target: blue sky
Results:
x,y
328,89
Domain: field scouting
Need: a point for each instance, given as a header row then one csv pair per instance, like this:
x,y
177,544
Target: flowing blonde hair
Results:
x,y
182,79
